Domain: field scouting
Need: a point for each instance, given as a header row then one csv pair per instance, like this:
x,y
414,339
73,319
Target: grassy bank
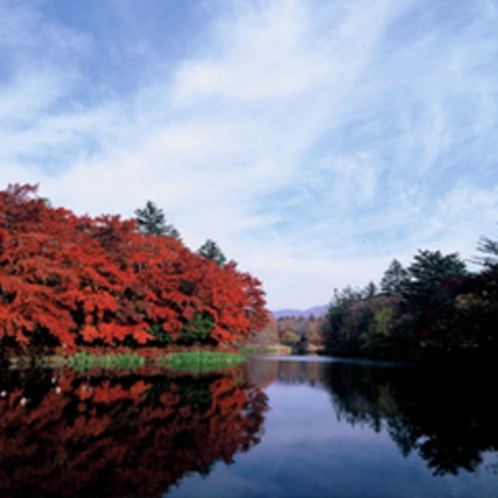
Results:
x,y
84,361
201,361
186,361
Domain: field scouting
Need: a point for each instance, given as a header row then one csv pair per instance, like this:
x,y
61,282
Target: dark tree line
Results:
x,y
434,306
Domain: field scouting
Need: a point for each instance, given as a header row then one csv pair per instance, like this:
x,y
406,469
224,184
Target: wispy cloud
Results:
x,y
315,141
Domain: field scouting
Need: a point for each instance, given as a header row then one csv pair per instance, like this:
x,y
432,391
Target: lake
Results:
x,y
276,426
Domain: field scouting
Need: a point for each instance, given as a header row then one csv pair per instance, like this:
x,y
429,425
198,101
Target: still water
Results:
x,y
273,427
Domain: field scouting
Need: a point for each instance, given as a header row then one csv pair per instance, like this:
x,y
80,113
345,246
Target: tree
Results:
x,y
427,272
332,327
370,291
490,248
395,278
151,221
69,281
290,338
210,250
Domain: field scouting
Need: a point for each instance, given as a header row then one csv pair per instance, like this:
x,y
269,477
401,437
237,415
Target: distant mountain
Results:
x,y
316,311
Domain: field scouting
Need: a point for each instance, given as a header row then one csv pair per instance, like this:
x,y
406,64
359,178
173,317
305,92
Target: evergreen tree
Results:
x,y
427,272
151,221
370,291
395,278
490,249
211,250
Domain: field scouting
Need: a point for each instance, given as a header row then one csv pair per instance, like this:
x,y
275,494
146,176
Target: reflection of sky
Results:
x,y
307,451
311,410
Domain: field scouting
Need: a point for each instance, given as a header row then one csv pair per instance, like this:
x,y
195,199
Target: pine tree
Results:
x,y
395,278
151,221
210,250
428,270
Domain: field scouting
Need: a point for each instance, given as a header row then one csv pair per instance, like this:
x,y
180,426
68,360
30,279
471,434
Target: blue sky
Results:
x,y
314,141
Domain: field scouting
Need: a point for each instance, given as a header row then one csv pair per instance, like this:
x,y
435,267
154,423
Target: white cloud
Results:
x,y
307,139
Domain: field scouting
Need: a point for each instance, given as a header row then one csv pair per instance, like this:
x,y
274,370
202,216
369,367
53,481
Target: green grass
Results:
x,y
201,361
83,361
37,362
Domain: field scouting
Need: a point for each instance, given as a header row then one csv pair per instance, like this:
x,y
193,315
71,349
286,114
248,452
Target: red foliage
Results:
x,y
68,434
68,280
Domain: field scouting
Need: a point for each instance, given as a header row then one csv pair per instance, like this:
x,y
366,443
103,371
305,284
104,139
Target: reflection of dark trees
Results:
x,y
441,414
68,434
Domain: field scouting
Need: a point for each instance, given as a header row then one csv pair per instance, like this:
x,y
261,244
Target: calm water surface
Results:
x,y
274,427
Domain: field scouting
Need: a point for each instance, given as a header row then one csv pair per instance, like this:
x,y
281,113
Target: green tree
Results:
x,y
332,328
395,278
151,221
290,338
427,272
384,335
490,249
370,291
211,250
47,202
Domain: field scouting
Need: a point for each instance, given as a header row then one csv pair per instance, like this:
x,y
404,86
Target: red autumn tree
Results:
x,y
68,280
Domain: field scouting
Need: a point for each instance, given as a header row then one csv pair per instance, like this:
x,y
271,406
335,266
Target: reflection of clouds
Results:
x,y
307,451
305,414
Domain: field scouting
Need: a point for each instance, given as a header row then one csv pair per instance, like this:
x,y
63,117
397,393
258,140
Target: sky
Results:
x,y
313,141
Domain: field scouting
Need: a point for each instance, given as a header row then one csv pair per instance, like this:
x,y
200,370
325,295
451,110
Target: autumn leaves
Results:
x,y
69,281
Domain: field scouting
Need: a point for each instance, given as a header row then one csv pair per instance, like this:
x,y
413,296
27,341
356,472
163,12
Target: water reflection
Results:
x,y
70,434
441,414
287,370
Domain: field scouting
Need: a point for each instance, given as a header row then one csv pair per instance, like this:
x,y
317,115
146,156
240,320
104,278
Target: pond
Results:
x,y
289,426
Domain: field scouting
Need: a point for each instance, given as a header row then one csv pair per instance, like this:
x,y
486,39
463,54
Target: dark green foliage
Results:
x,y
194,332
433,307
151,221
211,250
370,291
490,249
428,270
385,331
338,310
161,336
395,278
197,330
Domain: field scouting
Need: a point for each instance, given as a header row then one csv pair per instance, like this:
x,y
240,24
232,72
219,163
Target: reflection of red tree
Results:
x,y
123,436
